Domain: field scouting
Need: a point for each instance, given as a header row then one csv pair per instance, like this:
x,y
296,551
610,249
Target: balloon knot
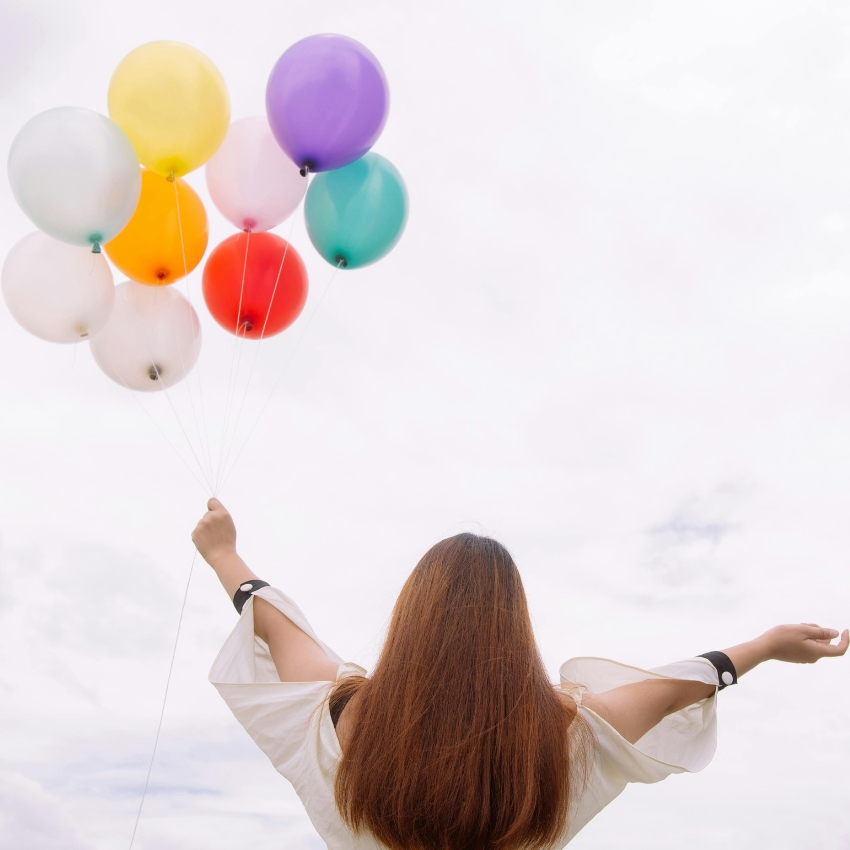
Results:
x,y
170,177
341,262
306,167
95,248
153,372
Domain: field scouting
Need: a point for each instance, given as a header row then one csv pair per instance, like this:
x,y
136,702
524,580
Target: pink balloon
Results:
x,y
252,182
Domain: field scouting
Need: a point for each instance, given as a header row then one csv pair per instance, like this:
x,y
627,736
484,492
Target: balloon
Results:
x,y
355,215
273,275
327,101
252,182
152,339
173,104
75,175
149,249
56,291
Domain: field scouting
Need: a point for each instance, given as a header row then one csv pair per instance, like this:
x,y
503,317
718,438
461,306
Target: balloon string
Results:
x,y
164,436
228,419
192,325
260,341
207,474
205,487
194,345
231,381
282,373
158,377
204,442
179,421
173,447
164,700
279,272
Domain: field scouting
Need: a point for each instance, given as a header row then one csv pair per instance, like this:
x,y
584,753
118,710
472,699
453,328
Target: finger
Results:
x,y
817,633
214,505
834,650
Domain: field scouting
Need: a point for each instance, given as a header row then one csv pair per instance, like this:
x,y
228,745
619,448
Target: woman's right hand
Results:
x,y
215,534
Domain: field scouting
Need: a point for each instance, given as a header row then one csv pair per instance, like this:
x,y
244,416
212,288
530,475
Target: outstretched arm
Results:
x,y
635,709
297,657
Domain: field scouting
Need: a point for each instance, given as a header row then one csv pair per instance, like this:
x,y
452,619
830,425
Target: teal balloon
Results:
x,y
357,213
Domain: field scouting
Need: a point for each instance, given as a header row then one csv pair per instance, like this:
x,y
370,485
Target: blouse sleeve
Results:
x,y
684,741
283,718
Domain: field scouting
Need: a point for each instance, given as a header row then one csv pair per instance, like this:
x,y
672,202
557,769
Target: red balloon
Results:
x,y
256,283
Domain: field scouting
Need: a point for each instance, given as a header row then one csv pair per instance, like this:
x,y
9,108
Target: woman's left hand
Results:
x,y
804,643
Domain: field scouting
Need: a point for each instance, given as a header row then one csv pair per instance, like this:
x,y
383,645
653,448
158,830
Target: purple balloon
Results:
x,y
327,101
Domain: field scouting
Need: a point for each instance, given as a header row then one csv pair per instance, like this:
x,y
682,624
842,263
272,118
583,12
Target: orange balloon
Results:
x,y
149,249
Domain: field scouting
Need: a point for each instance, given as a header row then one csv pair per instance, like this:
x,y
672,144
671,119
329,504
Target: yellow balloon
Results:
x,y
172,103
166,237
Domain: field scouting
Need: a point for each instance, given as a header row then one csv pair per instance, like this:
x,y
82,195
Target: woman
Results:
x,y
458,741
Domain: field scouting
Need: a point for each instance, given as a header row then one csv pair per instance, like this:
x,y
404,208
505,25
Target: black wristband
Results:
x,y
245,590
726,672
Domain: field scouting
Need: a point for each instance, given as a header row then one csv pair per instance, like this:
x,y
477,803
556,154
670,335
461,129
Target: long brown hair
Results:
x,y
460,741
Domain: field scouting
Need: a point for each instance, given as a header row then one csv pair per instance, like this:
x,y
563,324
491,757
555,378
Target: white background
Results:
x,y
616,335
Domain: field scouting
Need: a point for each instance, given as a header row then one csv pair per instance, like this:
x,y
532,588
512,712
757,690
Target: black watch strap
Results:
x,y
726,672
245,590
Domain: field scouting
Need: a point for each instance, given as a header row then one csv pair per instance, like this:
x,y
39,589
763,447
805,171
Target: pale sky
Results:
x,y
615,335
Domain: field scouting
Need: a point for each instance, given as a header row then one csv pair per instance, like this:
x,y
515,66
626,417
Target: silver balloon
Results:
x,y
56,291
75,174
152,339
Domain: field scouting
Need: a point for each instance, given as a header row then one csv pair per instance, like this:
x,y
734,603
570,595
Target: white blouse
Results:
x,y
291,724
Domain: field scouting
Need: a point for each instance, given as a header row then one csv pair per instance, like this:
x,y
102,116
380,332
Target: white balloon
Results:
x,y
152,339
252,182
56,291
75,174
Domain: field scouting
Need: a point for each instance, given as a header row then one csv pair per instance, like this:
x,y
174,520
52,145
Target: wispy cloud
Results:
x,y
32,819
680,560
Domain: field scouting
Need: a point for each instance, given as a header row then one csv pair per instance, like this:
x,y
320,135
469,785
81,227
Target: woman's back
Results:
x,y
461,740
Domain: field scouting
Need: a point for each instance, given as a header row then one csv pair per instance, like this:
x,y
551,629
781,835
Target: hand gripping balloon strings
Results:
x,y
262,337
236,359
283,372
204,444
164,700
